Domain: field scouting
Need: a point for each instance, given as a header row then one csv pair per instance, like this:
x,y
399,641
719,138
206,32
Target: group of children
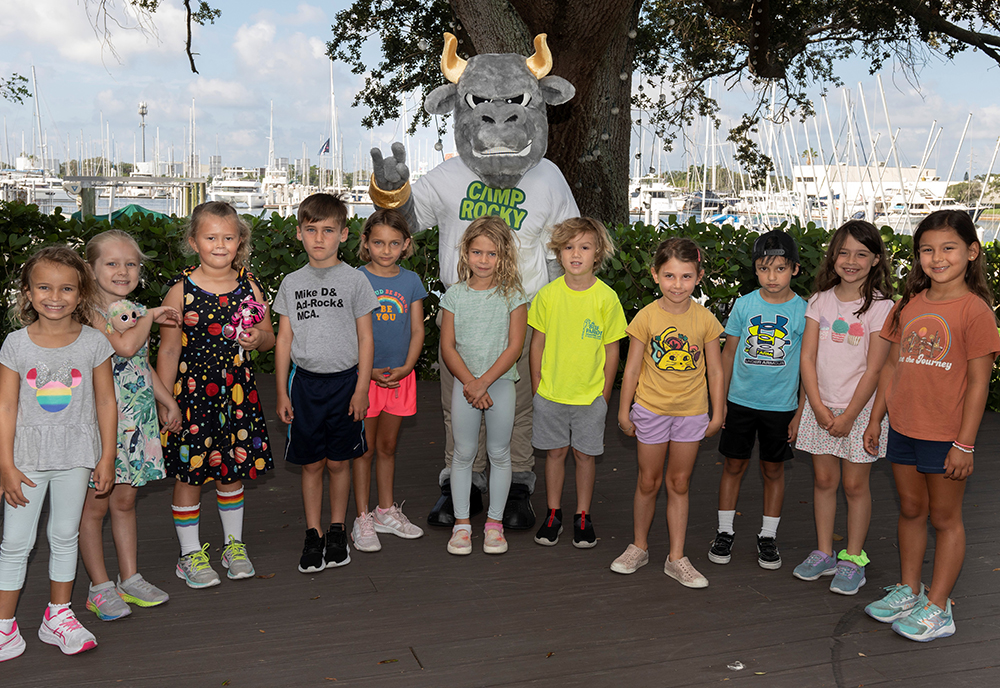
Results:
x,y
345,351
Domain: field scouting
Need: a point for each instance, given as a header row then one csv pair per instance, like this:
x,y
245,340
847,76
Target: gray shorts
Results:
x,y
556,425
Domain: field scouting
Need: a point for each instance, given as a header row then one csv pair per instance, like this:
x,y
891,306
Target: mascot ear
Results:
x,y
555,90
441,100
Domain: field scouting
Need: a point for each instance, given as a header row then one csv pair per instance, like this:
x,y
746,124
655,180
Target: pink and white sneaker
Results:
x,y
61,628
11,644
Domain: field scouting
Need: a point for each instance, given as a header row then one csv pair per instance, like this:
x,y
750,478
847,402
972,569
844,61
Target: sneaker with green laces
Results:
x,y
195,570
926,623
137,590
900,601
234,558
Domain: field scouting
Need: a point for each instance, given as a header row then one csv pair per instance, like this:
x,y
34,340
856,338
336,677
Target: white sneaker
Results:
x,y
393,521
363,534
460,542
61,628
11,644
493,540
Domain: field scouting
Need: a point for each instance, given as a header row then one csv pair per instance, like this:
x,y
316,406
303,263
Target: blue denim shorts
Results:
x,y
927,455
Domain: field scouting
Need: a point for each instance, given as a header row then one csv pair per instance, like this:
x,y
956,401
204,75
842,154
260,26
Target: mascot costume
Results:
x,y
501,132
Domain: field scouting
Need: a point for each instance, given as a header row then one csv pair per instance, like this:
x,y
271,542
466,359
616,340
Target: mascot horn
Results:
x,y
501,133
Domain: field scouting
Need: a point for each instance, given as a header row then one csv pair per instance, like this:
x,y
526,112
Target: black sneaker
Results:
x,y
722,548
338,552
312,553
767,553
583,531
551,529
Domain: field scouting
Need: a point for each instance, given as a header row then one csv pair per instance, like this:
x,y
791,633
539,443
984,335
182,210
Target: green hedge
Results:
x,y
728,268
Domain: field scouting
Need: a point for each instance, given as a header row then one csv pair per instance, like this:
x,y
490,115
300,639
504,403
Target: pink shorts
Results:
x,y
653,429
396,401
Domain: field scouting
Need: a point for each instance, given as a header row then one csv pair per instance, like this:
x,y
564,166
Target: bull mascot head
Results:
x,y
501,129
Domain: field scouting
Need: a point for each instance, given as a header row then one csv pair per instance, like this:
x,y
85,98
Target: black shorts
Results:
x,y
927,456
321,428
744,425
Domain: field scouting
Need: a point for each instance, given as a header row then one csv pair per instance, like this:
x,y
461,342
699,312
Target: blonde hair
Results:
x,y
96,245
392,219
86,310
496,230
567,230
223,211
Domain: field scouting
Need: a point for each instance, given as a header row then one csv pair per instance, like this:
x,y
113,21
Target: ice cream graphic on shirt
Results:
x,y
839,330
855,333
824,327
51,388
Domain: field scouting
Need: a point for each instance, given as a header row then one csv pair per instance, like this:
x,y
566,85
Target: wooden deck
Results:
x,y
411,615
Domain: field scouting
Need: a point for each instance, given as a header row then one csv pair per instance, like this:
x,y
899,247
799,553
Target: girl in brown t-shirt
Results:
x,y
943,342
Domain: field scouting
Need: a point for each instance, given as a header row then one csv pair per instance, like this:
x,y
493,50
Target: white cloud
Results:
x,y
304,14
221,93
66,28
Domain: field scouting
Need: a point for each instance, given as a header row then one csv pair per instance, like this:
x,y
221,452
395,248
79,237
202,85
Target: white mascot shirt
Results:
x,y
451,196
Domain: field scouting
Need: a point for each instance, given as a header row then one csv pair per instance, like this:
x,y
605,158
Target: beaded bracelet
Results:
x,y
960,448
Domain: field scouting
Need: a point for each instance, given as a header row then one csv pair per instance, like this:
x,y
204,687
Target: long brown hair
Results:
x,y
975,277
683,249
496,230
878,284
86,309
392,219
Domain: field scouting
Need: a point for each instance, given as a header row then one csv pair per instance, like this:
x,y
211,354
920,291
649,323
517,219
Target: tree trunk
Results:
x,y
589,136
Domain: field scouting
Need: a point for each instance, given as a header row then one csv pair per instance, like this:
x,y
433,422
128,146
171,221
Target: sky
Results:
x,y
259,53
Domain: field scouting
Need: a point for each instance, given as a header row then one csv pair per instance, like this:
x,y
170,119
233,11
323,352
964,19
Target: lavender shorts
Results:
x,y
653,429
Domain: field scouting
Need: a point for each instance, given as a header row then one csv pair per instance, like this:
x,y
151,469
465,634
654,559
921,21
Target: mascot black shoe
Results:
x,y
517,513
443,512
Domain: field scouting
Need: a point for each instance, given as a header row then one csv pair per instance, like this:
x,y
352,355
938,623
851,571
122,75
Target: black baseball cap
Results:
x,y
775,244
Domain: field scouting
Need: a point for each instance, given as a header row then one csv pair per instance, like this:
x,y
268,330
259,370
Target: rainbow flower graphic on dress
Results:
x,y
51,388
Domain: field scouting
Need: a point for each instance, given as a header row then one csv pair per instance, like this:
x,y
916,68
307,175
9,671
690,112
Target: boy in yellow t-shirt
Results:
x,y
577,322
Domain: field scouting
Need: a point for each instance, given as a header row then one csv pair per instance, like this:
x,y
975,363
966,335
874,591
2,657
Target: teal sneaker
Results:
x,y
926,623
848,578
816,564
898,603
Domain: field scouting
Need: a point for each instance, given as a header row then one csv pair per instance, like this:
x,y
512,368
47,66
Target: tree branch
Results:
x,y
930,19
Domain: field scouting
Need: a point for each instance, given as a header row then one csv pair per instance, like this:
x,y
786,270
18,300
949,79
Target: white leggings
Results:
x,y
67,491
465,422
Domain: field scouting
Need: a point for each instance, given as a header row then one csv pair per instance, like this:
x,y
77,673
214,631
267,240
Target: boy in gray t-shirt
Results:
x,y
323,363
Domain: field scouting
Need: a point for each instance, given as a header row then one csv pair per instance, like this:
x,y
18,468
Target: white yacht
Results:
x,y
237,186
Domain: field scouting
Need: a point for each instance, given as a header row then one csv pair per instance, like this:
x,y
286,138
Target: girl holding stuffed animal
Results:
x,y
223,438
482,333
398,328
57,432
116,261
674,365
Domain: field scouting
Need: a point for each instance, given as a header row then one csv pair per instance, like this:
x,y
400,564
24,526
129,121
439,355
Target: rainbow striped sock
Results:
x,y
186,520
231,513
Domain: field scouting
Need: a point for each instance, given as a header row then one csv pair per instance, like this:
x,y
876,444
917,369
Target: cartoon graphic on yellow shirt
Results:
x,y
673,351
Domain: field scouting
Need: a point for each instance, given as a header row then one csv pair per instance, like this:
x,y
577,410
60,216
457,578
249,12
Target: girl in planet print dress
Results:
x,y
224,438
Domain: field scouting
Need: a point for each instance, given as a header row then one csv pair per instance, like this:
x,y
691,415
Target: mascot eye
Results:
x,y
473,101
124,317
522,99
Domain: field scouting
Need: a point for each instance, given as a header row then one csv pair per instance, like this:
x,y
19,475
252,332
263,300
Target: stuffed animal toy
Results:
x,y
246,315
501,133
122,316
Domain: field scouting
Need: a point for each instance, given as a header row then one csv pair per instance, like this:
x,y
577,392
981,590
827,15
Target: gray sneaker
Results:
x,y
234,558
195,570
137,590
103,600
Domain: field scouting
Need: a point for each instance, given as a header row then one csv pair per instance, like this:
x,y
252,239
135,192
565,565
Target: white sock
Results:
x,y
769,527
462,526
6,626
726,521
231,513
186,519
